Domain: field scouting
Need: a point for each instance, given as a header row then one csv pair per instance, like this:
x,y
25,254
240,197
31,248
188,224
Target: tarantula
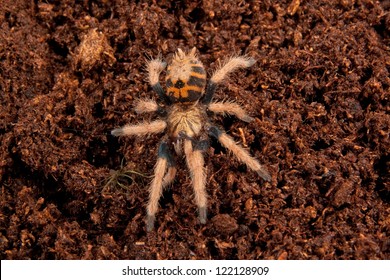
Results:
x,y
185,118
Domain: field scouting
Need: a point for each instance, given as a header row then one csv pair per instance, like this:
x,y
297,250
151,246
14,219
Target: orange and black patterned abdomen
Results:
x,y
188,88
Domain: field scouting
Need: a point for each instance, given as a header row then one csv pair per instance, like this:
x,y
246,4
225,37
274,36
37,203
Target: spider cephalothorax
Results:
x,y
185,109
186,78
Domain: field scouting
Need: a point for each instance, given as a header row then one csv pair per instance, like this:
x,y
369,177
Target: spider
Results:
x,y
185,110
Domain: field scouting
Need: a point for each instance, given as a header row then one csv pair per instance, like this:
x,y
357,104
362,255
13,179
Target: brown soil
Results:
x,y
69,73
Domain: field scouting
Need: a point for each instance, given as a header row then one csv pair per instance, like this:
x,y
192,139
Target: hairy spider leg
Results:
x,y
154,68
230,108
239,152
195,163
140,129
164,160
233,63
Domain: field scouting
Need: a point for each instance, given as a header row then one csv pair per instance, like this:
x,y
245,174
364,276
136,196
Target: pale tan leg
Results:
x,y
146,106
230,108
140,129
155,191
164,162
169,176
231,65
154,68
195,162
240,153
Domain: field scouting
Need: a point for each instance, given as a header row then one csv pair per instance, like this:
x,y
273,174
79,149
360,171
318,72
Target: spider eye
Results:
x,y
179,84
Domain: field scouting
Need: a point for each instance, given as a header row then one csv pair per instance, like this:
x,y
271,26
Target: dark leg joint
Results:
x,y
201,145
160,91
214,131
161,111
164,152
183,135
211,87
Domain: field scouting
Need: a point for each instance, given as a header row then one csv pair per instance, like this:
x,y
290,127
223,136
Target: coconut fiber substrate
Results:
x,y
71,71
